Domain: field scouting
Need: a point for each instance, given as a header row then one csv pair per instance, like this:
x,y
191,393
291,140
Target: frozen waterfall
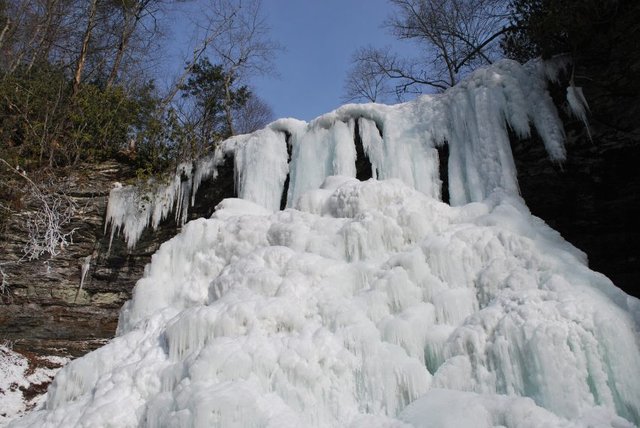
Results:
x,y
365,304
400,142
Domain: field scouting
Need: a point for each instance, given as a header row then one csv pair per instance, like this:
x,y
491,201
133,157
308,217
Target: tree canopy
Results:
x,y
77,81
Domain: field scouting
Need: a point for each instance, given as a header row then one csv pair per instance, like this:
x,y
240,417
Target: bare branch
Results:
x,y
455,36
45,225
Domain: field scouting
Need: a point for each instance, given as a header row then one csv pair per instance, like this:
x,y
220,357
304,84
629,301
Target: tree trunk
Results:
x,y
18,60
122,46
227,103
82,58
128,27
4,31
41,52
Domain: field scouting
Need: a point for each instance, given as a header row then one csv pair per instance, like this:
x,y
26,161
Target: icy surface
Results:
x,y
131,209
366,304
400,142
262,158
370,304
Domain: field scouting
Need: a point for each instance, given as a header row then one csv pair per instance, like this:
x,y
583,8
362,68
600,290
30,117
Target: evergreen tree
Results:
x,y
206,87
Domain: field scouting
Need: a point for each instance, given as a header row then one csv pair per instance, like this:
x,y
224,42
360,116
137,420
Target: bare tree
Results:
x,y
21,30
367,79
388,74
132,14
84,49
41,31
253,115
453,37
235,36
243,48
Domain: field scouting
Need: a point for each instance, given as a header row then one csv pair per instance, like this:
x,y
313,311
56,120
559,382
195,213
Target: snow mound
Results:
x,y
369,304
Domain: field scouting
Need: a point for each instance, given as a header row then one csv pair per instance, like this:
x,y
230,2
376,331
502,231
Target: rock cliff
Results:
x,y
593,198
44,308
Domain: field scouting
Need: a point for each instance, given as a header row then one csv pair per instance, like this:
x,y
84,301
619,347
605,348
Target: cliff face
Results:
x,y
593,199
44,310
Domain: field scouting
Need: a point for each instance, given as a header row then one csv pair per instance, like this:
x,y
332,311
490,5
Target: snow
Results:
x,y
368,304
468,409
15,375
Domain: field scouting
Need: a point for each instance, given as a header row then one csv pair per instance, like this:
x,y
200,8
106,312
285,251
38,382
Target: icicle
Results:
x,y
84,269
131,209
400,141
261,168
205,168
318,153
578,105
372,144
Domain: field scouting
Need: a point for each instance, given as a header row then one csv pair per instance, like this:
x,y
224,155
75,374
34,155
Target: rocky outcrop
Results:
x,y
44,308
593,198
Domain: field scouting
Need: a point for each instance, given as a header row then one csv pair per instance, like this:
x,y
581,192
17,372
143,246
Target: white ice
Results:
x,y
371,304
473,118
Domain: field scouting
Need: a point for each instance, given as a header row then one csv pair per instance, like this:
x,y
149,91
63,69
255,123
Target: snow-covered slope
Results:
x,y
370,303
22,379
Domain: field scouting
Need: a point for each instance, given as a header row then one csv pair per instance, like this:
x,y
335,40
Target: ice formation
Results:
x,y
400,142
369,304
578,105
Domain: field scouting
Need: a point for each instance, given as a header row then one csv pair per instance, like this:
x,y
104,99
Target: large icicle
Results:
x,y
261,168
372,144
578,105
318,153
131,210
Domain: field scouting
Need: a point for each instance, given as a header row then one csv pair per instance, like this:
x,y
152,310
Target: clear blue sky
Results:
x,y
319,37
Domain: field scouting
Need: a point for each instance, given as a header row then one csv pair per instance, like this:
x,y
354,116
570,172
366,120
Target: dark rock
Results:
x,y
44,310
593,198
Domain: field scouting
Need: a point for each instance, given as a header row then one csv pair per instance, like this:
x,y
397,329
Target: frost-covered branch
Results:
x,y
46,224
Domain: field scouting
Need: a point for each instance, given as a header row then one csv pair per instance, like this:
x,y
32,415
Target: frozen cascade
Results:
x,y
262,157
368,304
400,141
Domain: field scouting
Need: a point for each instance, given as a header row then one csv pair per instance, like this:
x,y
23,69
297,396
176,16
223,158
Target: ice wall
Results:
x,y
368,304
400,142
